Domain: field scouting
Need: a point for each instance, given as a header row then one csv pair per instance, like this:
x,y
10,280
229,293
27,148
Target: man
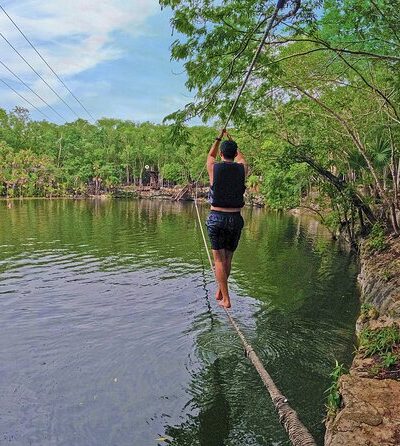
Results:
x,y
224,224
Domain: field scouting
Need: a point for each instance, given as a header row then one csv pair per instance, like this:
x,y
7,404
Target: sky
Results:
x,y
114,55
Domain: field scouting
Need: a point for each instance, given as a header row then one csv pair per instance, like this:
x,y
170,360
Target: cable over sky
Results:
x,y
24,99
90,60
45,61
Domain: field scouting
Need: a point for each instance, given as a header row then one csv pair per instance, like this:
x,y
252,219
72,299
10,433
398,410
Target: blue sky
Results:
x,y
113,54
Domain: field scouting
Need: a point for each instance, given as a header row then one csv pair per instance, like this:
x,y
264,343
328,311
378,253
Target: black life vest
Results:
x,y
228,185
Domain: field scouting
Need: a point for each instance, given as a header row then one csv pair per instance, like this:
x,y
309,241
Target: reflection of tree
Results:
x,y
309,316
132,232
211,426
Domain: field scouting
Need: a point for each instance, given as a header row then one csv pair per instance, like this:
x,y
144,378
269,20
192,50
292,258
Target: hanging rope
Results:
x,y
278,6
297,432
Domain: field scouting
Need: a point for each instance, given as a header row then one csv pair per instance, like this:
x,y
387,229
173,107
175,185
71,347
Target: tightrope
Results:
x,y
297,432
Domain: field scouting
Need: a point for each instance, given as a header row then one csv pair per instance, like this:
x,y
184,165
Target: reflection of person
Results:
x,y
224,223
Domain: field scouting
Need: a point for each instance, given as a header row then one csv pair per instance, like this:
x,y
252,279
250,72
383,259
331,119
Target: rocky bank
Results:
x,y
370,409
179,193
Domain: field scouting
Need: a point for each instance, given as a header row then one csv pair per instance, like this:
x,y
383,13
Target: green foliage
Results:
x,y
332,219
389,359
283,188
253,181
44,159
334,398
380,341
172,172
319,121
325,94
25,173
377,238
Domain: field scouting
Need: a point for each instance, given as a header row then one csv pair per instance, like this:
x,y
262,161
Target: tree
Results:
x,y
324,93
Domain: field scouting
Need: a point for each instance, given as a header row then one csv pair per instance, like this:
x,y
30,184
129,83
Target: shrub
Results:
x,y
334,398
377,240
389,360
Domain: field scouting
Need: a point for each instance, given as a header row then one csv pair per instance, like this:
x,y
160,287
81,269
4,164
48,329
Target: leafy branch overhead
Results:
x,y
216,43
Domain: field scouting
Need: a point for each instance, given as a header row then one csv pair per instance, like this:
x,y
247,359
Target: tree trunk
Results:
x,y
160,177
141,177
393,219
127,175
340,185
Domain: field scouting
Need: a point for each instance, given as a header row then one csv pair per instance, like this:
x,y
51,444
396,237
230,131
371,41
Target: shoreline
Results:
x,y
370,391
164,193
367,403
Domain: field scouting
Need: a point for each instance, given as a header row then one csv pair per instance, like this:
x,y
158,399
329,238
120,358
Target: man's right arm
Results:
x,y
239,157
241,160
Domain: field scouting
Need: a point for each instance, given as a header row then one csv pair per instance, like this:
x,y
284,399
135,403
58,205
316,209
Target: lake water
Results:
x,y
110,335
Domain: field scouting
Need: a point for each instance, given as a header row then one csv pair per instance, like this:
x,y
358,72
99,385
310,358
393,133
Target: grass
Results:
x,y
389,360
382,345
368,312
380,341
334,398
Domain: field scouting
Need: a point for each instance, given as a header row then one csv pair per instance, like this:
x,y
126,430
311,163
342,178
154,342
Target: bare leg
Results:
x,y
227,265
221,276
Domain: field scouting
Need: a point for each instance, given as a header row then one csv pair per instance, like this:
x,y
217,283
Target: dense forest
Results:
x,y
319,121
46,159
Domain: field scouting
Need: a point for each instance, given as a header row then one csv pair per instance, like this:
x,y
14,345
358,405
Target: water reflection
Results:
x,y
110,333
211,426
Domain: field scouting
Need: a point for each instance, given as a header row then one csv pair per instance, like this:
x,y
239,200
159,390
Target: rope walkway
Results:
x,y
297,432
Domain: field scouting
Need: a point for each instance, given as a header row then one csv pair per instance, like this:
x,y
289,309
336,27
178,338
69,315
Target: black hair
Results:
x,y
229,149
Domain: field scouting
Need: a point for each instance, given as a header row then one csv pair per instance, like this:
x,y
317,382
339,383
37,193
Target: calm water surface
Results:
x,y
109,333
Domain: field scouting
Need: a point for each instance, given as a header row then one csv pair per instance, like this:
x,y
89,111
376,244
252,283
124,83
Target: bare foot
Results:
x,y
225,303
218,294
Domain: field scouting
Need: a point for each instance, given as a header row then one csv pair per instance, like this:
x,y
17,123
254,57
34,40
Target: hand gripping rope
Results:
x,y
297,432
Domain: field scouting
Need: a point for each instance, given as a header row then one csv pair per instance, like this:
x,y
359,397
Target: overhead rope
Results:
x,y
38,74
280,4
30,89
24,98
47,64
278,7
297,432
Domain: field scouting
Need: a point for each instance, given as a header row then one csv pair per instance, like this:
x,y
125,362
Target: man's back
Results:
x,y
228,185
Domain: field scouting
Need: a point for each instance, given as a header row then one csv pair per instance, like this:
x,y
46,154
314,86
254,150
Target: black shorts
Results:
x,y
224,229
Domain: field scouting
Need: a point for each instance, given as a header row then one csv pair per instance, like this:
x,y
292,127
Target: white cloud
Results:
x,y
73,35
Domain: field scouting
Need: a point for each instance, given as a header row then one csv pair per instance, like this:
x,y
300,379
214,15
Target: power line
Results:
x,y
24,98
47,64
38,74
34,92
